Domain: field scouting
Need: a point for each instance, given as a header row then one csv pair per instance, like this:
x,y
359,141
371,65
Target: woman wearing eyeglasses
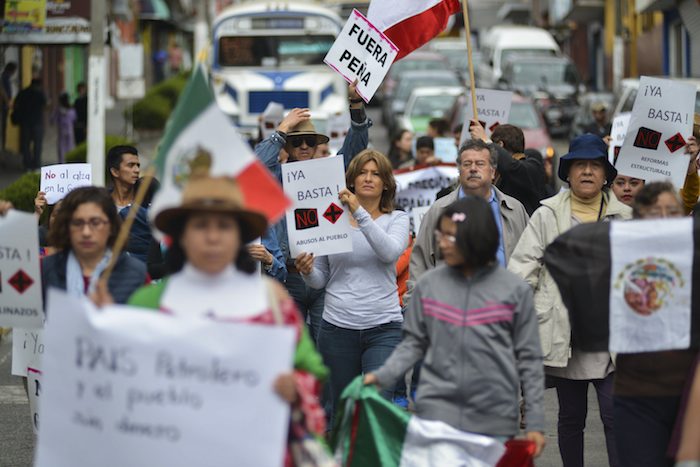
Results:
x,y
84,231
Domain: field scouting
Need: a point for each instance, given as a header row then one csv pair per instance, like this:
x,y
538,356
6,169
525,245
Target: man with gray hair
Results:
x,y
477,168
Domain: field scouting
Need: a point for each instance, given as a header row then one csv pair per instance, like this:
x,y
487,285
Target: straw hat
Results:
x,y
213,194
696,126
307,128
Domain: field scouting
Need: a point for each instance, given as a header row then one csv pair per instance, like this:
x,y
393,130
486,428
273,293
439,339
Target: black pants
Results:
x,y
31,138
643,429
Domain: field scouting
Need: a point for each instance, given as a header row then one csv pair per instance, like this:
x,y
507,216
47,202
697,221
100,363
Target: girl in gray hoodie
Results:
x,y
475,326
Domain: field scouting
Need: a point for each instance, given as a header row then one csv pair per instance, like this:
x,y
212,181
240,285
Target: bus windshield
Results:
x,y
273,51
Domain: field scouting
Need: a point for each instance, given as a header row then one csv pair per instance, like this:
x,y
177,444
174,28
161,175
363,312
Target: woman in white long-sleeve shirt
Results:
x,y
362,317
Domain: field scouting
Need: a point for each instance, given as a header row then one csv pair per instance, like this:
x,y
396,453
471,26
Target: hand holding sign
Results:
x,y
304,263
349,199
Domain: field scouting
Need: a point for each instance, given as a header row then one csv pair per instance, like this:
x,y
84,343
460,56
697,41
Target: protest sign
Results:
x,y
617,136
33,391
60,179
133,387
272,116
662,119
20,280
338,126
27,350
361,52
493,109
445,149
651,279
318,222
418,187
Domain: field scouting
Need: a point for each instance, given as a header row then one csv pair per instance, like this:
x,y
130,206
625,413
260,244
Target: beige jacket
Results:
x,y
547,222
425,253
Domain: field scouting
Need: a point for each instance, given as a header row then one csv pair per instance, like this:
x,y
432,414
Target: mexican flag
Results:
x,y
370,430
198,129
411,23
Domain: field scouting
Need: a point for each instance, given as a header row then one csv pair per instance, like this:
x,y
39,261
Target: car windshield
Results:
x,y
413,65
272,51
523,115
432,106
544,73
406,86
508,54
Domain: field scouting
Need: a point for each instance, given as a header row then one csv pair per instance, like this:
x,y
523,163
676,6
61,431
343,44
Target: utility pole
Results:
x,y
97,88
202,29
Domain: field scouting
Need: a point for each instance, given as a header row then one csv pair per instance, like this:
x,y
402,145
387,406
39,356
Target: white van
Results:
x,y
502,42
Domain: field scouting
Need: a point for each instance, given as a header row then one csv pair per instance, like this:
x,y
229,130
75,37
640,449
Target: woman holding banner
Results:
x,y
214,276
362,317
589,173
84,231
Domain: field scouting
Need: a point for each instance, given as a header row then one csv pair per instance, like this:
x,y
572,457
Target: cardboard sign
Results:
x,y
362,52
338,127
617,136
34,390
27,350
651,278
272,116
20,279
318,222
445,149
493,108
133,387
60,179
662,119
417,188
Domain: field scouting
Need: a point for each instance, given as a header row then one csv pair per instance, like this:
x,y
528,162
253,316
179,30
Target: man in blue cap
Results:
x,y
589,174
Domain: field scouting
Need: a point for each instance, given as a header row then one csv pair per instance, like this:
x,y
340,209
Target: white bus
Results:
x,y
273,51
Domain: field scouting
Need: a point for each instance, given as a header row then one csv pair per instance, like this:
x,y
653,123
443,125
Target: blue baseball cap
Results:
x,y
587,147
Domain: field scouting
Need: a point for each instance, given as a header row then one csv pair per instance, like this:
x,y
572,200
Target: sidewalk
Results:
x,y
11,163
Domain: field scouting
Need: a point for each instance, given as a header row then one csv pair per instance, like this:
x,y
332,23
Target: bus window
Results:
x,y
270,51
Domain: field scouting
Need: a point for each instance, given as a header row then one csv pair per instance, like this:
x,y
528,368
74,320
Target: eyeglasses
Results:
x,y
440,236
296,141
95,223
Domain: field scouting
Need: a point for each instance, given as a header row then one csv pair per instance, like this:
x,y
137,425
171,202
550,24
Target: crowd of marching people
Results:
x,y
470,311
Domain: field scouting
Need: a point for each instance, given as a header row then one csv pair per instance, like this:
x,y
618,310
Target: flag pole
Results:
x,y
472,84
123,235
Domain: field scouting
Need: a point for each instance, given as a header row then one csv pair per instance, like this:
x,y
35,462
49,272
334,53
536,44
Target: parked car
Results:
x,y
501,43
455,52
425,104
584,116
552,82
630,86
418,60
394,107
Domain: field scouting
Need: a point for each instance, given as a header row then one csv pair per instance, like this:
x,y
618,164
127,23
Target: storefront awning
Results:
x,y
63,30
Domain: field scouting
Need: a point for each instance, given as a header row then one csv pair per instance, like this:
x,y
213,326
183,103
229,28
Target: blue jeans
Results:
x,y
308,300
349,353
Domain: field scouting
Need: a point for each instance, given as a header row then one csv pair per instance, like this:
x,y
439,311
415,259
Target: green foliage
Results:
x,y
152,112
23,191
79,153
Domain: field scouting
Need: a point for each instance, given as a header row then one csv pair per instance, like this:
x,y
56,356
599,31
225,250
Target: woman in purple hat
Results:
x,y
589,174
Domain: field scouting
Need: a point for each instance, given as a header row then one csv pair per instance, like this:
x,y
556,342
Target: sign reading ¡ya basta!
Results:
x,y
362,52
493,108
662,119
317,223
129,386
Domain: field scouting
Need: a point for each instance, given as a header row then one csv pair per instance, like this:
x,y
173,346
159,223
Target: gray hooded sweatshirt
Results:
x,y
479,339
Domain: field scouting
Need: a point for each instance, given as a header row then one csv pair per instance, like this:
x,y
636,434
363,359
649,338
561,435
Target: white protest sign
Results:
x,y
272,116
651,280
417,215
34,390
362,52
133,387
27,350
445,149
20,279
662,119
617,136
318,222
493,108
60,179
418,187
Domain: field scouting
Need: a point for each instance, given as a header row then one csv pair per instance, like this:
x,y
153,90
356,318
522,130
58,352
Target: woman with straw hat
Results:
x,y
212,269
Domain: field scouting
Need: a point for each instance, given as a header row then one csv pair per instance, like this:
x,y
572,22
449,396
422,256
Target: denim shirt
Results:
x,y
279,268
496,210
